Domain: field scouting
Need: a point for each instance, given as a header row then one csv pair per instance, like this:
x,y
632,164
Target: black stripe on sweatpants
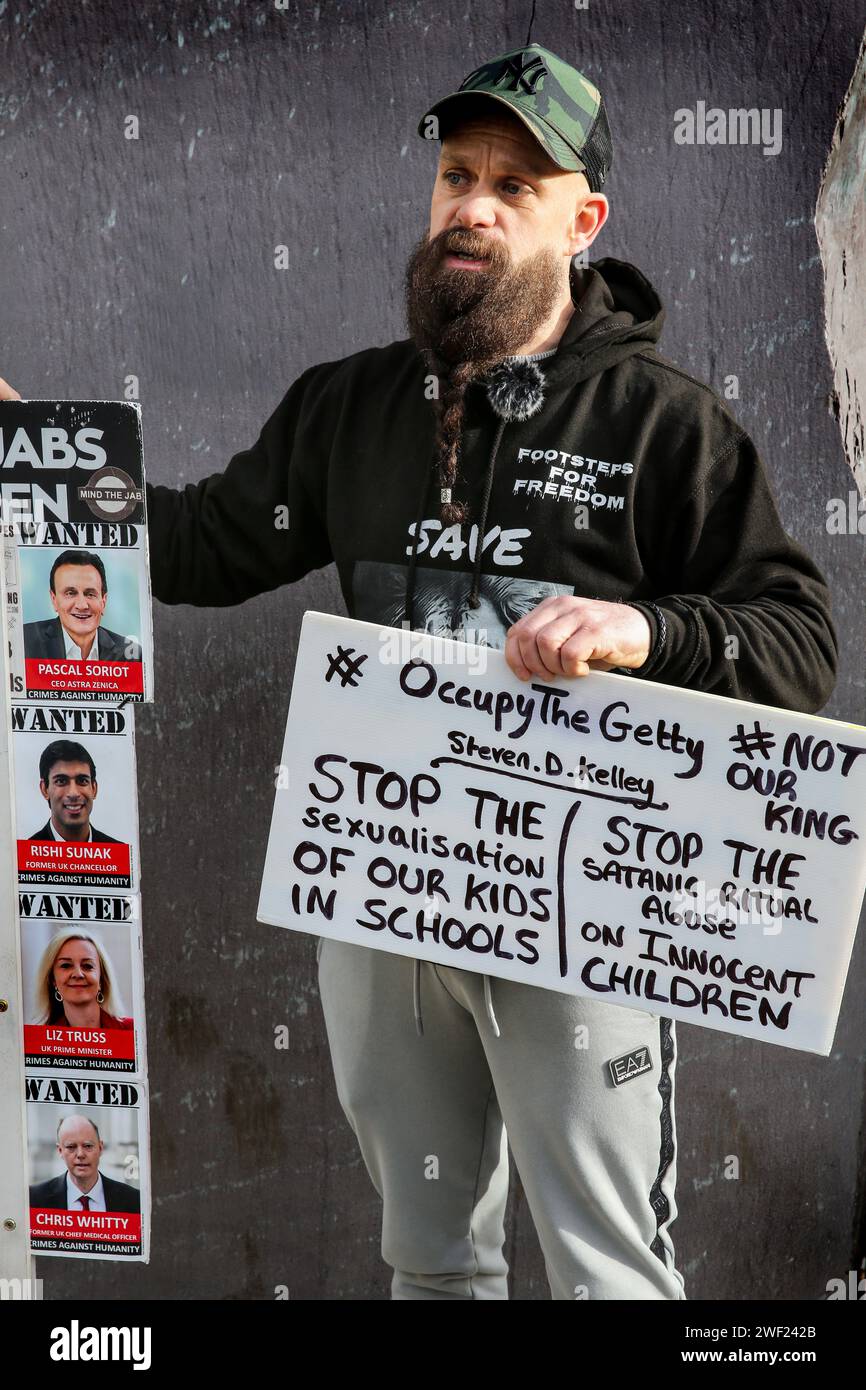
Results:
x,y
658,1200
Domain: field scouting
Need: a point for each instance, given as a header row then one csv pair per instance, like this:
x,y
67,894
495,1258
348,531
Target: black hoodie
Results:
x,y
631,483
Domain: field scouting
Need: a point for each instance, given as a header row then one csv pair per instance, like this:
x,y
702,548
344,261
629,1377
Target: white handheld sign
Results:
x,y
695,856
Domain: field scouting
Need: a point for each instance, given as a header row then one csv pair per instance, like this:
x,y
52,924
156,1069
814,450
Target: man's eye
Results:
x,y
515,188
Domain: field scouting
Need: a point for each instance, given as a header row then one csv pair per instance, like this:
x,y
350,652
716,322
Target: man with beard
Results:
x,y
525,454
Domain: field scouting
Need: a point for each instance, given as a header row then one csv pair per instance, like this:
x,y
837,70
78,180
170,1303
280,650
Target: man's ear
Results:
x,y
43,789
591,214
54,600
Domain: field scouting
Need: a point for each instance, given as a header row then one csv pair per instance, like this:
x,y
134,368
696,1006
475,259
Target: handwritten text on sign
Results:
x,y
662,849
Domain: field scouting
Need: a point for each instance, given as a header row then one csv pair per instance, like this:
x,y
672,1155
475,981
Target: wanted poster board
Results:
x,y
87,1139
75,796
685,854
72,502
82,996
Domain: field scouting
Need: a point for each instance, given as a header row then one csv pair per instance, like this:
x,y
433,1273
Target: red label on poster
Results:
x,y
126,677
50,1040
73,856
85,1231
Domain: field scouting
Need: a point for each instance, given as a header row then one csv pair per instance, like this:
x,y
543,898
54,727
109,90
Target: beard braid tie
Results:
x,y
450,410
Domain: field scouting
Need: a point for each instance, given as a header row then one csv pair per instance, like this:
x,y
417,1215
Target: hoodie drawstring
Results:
x,y
409,599
474,602
474,599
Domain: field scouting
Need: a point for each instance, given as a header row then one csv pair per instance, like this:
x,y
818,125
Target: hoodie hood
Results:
x,y
617,313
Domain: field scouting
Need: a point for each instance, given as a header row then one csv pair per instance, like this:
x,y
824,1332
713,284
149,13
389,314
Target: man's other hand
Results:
x,y
569,636
7,392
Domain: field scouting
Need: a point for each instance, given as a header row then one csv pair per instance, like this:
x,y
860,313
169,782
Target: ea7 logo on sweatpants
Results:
x,y
630,1065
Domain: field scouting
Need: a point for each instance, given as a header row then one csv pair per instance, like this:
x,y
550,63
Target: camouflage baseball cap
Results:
x,y
561,107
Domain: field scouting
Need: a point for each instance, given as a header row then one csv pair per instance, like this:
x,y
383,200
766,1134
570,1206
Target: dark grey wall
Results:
x,y
154,258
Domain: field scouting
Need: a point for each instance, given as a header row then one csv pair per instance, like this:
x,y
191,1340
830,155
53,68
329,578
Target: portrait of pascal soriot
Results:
x,y
67,781
78,589
83,1187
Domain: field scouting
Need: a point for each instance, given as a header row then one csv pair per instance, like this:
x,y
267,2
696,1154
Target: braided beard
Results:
x,y
469,320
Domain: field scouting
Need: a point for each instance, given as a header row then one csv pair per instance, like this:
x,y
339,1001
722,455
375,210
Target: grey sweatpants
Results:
x,y
434,1113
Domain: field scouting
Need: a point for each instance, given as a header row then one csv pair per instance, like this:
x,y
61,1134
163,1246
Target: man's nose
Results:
x,y
476,210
